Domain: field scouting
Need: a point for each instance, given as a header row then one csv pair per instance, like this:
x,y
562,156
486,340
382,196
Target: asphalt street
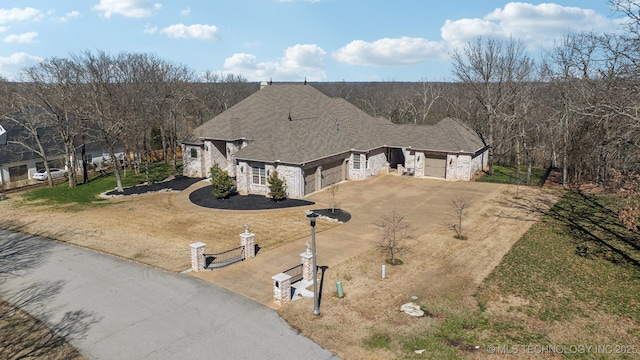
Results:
x,y
112,308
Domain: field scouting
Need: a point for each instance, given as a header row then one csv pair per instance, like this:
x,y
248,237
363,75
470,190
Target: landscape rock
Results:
x,y
412,309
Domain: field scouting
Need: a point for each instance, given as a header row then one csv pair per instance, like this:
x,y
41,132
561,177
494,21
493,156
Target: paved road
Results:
x,y
116,309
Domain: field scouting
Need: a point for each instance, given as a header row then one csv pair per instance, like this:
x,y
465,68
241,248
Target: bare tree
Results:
x,y
333,192
51,86
493,69
459,207
394,232
35,132
107,103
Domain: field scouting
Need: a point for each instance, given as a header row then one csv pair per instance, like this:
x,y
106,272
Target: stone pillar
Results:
x,y
281,288
197,256
247,239
307,265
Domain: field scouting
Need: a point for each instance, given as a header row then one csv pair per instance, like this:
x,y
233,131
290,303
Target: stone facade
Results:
x,y
306,258
375,162
281,288
247,239
197,256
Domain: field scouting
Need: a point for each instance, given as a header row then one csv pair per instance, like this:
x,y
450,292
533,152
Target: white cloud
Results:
x,y
24,38
388,52
17,14
127,8
68,16
196,31
186,11
10,66
535,25
3,29
299,62
149,29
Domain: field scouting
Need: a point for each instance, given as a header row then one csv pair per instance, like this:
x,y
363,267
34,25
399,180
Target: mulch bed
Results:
x,y
204,198
337,214
178,183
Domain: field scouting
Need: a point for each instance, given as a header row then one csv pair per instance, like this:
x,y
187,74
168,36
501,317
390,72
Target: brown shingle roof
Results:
x,y
298,124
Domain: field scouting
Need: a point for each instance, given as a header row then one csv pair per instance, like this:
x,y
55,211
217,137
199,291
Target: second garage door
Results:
x,y
331,173
435,166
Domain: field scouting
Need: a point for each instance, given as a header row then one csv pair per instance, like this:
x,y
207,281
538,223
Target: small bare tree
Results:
x,y
333,195
459,207
394,231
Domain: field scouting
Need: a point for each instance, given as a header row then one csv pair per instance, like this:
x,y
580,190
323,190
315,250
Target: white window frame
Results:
x,y
259,173
356,161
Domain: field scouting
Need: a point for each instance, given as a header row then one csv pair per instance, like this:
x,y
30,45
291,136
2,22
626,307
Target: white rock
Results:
x,y
412,309
420,351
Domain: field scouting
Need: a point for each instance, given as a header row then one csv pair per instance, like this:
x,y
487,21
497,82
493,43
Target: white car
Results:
x,y
55,173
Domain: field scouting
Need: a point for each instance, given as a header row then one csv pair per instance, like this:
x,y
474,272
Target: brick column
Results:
x,y
307,265
281,288
197,256
247,239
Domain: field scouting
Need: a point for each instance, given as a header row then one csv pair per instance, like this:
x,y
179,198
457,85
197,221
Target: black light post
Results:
x,y
316,300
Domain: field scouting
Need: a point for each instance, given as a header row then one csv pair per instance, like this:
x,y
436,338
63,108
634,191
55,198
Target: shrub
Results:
x,y
221,181
276,186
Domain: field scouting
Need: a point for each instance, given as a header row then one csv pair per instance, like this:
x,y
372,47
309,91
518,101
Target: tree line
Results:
x,y
576,107
130,101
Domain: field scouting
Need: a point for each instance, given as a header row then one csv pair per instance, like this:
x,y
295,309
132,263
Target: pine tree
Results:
x,y
276,185
221,181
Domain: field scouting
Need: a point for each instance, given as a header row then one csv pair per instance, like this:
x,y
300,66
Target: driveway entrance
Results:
x,y
424,203
116,309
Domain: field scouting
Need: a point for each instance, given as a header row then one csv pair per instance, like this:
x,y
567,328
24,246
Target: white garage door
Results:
x,y
435,166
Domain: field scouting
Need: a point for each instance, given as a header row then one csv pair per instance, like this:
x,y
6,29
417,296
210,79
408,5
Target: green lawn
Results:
x,y
569,272
85,194
506,174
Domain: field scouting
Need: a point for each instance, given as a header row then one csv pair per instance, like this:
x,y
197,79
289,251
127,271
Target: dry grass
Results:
x,y
442,271
23,337
154,229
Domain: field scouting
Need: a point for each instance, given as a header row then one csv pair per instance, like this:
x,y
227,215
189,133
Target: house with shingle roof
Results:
x,y
315,141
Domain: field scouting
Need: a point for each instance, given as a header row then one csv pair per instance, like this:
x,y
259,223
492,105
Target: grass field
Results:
x,y
571,282
23,337
506,174
86,194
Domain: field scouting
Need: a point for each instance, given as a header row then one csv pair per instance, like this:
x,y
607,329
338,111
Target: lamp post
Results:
x,y
316,300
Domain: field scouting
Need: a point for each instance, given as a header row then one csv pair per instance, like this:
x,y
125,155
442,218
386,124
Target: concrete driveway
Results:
x,y
423,202
115,309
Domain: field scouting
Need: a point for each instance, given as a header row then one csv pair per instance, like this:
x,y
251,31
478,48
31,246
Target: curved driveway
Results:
x,y
115,309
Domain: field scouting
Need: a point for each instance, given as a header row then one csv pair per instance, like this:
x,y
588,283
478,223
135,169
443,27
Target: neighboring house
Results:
x,y
315,141
18,164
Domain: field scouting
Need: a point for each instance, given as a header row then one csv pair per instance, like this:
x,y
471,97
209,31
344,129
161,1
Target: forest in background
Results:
x,y
575,107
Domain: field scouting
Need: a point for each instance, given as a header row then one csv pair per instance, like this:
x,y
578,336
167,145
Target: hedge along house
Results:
x,y
315,141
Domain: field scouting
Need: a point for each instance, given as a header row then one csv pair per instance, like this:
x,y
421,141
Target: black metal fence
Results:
x,y
214,261
295,273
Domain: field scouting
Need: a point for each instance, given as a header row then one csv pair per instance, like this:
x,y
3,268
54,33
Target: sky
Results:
x,y
289,40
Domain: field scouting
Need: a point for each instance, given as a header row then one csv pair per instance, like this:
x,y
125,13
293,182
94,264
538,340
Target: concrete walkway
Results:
x,y
424,202
115,309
